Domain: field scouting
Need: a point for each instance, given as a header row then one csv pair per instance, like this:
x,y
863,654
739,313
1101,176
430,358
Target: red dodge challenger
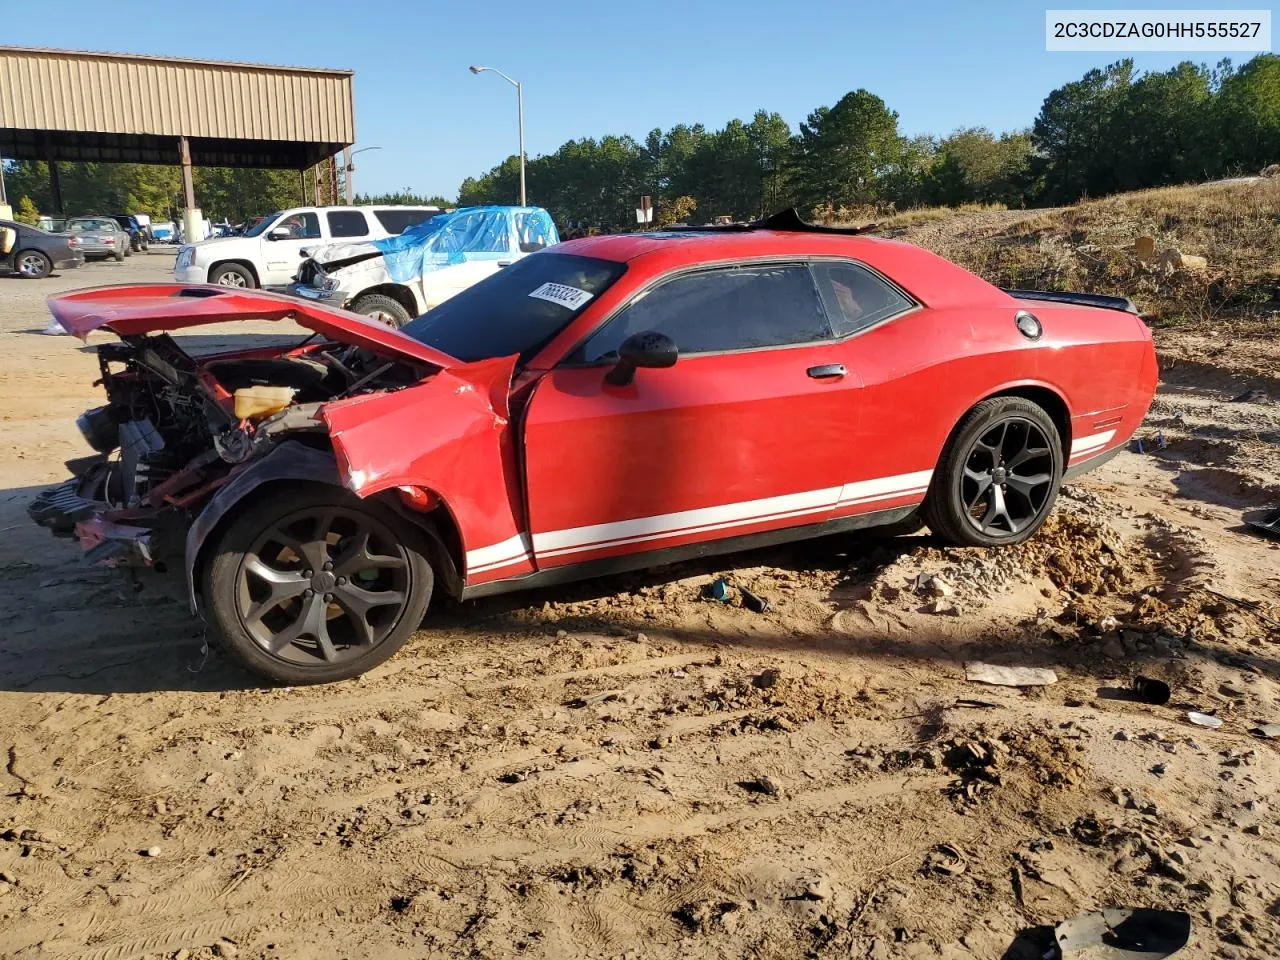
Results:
x,y
611,403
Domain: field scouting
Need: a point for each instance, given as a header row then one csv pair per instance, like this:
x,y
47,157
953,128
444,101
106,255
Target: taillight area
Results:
x,y
73,241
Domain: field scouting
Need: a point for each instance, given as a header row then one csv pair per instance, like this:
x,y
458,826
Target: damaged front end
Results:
x,y
177,429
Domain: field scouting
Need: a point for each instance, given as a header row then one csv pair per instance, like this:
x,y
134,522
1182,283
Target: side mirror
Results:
x,y
648,348
279,233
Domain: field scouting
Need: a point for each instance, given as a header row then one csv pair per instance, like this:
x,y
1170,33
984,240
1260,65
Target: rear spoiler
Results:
x,y
1084,300
1081,299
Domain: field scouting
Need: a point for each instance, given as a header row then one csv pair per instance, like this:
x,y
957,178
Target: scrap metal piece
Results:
x,y
1124,934
1268,523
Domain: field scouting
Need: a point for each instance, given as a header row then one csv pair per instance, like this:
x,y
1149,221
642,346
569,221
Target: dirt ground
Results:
x,y
619,769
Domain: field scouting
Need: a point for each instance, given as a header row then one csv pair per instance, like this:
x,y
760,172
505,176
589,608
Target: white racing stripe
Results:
x,y
599,536
1091,444
503,554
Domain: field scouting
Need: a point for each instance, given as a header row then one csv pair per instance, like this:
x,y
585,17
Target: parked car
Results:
x,y
164,232
52,224
612,403
268,254
33,253
138,239
100,237
397,279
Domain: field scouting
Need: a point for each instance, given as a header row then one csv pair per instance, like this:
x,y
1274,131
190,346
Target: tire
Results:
x,y
232,275
998,476
128,250
382,308
298,630
119,255
32,264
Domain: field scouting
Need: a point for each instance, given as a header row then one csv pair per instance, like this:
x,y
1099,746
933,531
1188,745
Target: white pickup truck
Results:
x,y
397,279
269,254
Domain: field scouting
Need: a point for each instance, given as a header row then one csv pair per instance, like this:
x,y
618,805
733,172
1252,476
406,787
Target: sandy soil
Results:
x,y
619,769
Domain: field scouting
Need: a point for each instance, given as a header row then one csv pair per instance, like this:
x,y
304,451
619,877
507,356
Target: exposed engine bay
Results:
x,y
176,428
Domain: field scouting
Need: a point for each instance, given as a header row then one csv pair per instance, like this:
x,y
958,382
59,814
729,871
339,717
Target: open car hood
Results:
x,y
133,309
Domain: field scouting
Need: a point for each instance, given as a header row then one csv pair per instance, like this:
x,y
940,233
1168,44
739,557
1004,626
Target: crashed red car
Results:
x,y
611,403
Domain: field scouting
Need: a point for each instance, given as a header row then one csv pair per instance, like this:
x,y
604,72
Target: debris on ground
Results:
x,y
1149,690
1009,676
1124,934
1204,719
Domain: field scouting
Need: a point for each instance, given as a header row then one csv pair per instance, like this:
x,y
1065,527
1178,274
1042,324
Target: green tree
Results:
x,y
1247,108
1071,134
845,151
26,211
975,166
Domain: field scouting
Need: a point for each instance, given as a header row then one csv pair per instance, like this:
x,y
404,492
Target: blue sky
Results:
x,y
592,68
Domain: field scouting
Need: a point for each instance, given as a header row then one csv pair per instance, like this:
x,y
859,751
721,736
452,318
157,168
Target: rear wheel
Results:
x,y
119,255
32,264
998,477
316,586
382,308
232,275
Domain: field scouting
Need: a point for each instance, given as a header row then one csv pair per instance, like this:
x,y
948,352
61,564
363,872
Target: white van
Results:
x,y
269,253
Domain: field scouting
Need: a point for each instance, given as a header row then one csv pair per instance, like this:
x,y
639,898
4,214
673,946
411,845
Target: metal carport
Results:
x,y
130,108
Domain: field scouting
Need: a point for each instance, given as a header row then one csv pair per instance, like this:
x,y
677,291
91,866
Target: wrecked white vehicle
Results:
x,y
397,279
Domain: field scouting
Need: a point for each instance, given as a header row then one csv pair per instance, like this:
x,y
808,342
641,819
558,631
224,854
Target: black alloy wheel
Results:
x,y
1008,477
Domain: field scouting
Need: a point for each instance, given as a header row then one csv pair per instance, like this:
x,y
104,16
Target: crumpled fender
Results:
x,y
450,434
289,460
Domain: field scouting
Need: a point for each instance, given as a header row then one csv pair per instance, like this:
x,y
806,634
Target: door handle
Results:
x,y
505,263
827,371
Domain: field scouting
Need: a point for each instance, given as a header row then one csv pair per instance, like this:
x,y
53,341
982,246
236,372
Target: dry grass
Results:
x,y
922,215
1089,247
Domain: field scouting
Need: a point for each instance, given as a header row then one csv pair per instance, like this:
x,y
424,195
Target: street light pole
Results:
x,y
520,110
350,168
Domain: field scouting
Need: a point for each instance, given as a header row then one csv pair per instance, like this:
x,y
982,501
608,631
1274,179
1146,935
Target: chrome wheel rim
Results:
x,y
322,586
1007,478
231,279
32,265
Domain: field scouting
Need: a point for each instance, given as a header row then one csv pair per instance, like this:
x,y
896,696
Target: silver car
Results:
x,y
100,237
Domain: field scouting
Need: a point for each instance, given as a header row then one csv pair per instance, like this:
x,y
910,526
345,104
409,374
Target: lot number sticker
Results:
x,y
571,298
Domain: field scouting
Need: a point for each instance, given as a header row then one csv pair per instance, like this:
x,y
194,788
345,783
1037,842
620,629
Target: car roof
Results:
x,y
929,278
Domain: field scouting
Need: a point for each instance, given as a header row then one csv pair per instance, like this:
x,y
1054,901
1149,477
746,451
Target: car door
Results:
x,y
750,430
469,248
282,254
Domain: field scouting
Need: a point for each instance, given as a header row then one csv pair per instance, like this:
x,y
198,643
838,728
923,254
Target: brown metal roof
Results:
x,y
75,105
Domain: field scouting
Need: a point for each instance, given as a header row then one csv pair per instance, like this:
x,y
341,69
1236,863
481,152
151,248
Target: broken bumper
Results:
x,y
332,298
105,541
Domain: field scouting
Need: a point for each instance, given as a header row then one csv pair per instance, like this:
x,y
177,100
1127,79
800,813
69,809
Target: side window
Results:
x,y
396,222
301,226
347,223
739,308
855,297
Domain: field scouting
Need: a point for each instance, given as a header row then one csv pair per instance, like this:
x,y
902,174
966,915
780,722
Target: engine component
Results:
x,y
99,429
139,442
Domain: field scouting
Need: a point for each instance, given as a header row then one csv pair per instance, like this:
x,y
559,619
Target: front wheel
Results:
x,y
382,308
232,275
998,477
316,586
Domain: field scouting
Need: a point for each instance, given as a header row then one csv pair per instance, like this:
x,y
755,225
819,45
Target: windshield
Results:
x,y
262,224
88,226
518,309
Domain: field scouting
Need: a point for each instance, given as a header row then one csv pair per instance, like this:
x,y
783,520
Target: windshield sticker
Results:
x,y
571,298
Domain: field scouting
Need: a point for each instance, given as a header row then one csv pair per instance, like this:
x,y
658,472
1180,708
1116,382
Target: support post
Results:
x,y
333,179
302,186
193,227
319,182
348,170
188,182
55,186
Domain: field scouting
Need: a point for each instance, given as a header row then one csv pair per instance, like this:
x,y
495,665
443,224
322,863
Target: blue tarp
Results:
x,y
472,233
